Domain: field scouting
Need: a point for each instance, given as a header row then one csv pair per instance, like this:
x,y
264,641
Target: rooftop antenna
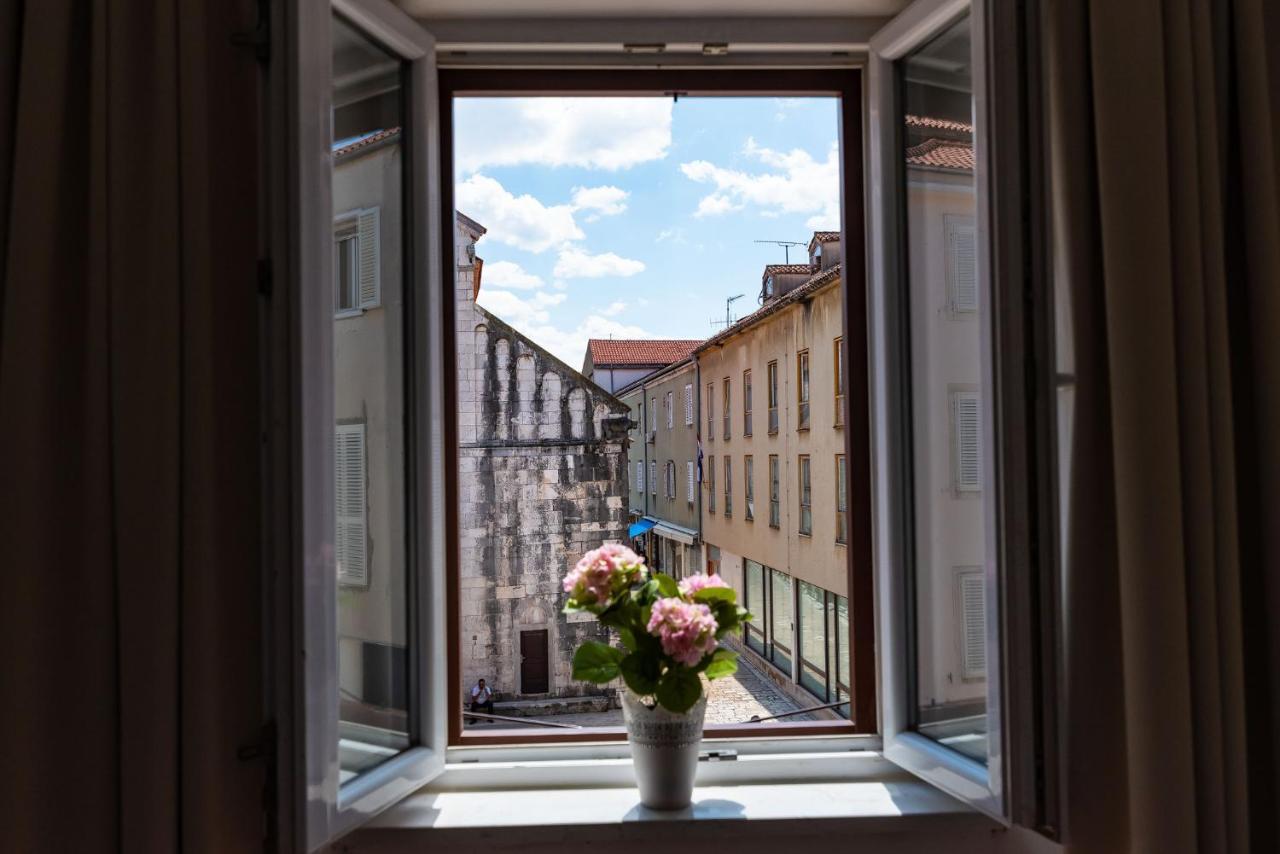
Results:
x,y
728,319
785,244
728,316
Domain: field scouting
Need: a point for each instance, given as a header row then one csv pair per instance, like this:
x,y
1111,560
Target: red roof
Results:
x,y
365,142
942,153
639,351
937,124
785,269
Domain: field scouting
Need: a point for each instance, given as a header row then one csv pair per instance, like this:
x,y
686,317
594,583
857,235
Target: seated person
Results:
x,y
481,698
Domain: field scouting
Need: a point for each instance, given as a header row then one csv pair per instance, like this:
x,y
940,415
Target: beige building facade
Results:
x,y
664,495
773,491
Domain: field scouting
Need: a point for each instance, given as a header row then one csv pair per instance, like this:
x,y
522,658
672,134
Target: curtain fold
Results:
x,y
129,427
1164,156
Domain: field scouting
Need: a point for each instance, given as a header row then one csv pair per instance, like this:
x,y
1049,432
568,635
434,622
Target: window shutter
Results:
x,y
689,487
370,274
671,413
653,476
973,622
640,475
350,537
688,404
962,265
967,441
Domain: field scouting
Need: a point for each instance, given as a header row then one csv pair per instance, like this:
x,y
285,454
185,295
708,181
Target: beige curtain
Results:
x,y
130,616
1165,129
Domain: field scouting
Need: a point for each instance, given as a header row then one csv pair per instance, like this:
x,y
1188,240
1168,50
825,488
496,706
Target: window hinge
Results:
x,y
265,277
259,38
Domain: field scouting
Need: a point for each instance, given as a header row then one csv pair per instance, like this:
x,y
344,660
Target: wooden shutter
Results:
x,y
962,264
973,624
350,536
370,272
688,403
689,487
966,441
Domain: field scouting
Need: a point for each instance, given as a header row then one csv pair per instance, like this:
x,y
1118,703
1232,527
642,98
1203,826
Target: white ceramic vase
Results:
x,y
664,750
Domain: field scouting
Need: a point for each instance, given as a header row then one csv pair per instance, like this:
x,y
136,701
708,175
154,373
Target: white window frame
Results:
x,y
983,787
315,808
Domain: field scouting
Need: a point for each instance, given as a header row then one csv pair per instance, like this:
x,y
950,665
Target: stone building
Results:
x,y
542,479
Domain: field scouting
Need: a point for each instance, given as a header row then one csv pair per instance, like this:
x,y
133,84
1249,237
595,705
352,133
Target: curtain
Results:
x,y
1166,209
129,507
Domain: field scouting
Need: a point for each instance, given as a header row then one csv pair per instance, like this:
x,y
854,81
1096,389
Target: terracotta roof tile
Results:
x,y
825,236
942,154
640,351
365,142
784,269
814,283
937,124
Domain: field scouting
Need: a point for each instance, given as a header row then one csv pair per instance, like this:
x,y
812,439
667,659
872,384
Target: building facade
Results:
x,y
616,363
662,463
542,480
774,492
945,319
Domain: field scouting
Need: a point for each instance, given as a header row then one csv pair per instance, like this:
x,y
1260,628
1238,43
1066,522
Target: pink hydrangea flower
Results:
x,y
602,573
687,629
694,583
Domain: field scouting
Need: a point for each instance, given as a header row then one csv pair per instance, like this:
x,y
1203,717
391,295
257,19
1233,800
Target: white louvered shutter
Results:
x,y
653,476
690,489
962,265
640,475
350,537
967,441
688,404
370,272
671,410
973,621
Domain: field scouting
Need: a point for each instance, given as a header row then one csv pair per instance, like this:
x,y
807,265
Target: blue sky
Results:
x,y
634,217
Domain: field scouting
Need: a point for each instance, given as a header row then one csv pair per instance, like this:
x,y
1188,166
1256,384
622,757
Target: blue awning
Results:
x,y
641,527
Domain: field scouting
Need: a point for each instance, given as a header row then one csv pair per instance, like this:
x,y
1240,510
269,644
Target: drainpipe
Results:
x,y
697,432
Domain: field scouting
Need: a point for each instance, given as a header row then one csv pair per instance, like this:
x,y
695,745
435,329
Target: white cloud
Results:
x,y
574,263
517,310
520,221
796,184
675,235
508,274
531,315
600,201
596,133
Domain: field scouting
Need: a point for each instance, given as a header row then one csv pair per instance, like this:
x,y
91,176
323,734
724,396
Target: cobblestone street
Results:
x,y
732,700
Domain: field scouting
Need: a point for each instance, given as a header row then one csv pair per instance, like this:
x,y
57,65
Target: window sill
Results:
x,y
857,793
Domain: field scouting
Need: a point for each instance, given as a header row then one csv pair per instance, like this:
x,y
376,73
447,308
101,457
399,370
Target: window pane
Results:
x,y
369,405
947,379
813,639
756,605
842,653
780,642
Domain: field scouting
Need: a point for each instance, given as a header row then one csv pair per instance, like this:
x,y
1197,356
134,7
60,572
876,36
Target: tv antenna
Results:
x,y
785,244
728,315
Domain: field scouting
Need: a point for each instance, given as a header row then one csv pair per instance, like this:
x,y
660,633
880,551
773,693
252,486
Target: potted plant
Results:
x,y
670,640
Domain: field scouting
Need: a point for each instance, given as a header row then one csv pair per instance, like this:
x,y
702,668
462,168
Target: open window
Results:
x,y
367,312
955,425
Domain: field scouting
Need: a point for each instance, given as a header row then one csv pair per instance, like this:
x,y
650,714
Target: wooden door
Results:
x,y
533,662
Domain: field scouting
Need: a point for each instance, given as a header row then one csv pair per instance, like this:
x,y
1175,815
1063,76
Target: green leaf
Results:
x,y
667,586
726,614
678,689
640,672
627,637
711,595
596,662
723,663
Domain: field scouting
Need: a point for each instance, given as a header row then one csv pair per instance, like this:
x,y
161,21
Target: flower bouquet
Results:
x,y
670,638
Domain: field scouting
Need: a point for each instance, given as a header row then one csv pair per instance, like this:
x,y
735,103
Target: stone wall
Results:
x,y
542,459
